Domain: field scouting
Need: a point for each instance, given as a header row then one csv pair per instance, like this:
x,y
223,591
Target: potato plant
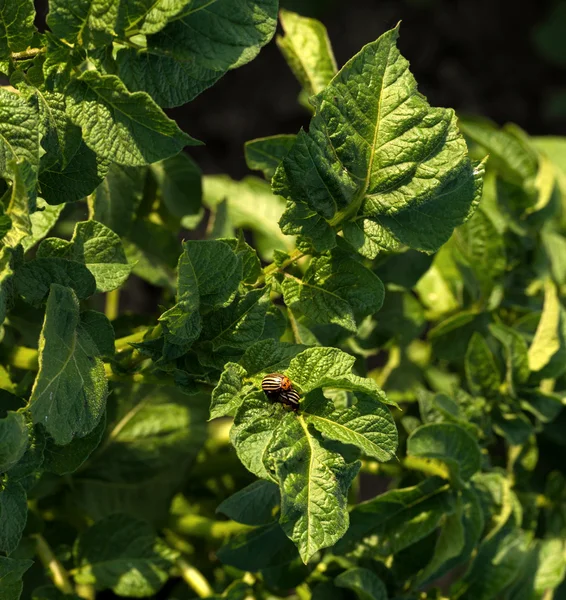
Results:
x,y
394,269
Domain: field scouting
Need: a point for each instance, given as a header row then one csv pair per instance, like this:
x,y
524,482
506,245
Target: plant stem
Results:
x,y
272,268
194,578
112,308
303,592
59,575
86,591
203,527
29,53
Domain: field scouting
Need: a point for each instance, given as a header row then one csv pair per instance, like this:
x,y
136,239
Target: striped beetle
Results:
x,y
279,388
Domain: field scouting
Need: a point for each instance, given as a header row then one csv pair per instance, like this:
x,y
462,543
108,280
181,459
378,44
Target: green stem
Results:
x,y
194,578
86,591
303,592
203,527
272,268
58,573
124,342
112,308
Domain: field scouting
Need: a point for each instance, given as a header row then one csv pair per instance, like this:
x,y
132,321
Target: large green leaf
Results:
x,y
208,275
335,289
253,505
314,483
398,518
77,23
260,548
497,564
330,368
197,47
251,205
239,324
69,392
13,515
379,155
153,436
33,279
307,50
124,127
123,554
117,198
450,444
42,220
11,573
547,351
482,372
14,436
367,424
265,154
19,130
69,169
364,583
16,28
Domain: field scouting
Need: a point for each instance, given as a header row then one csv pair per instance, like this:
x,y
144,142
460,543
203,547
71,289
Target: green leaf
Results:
x,y
450,444
180,181
63,460
239,324
34,278
551,565
335,289
480,247
69,393
250,205
260,548
100,330
16,28
330,368
28,469
227,396
11,573
547,351
127,128
252,431
251,265
50,592
253,505
307,50
154,434
7,259
376,150
69,169
458,537
14,436
314,483
516,354
117,198
482,372
200,44
498,562
208,275
268,356
363,582
366,424
398,518
13,515
42,220
508,152
265,154
19,131
123,554
18,201
83,21
100,249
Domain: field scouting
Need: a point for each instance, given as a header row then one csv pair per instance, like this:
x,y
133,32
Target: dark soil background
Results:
x,y
502,59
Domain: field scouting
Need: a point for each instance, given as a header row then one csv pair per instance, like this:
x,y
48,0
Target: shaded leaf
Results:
x,y
363,582
253,505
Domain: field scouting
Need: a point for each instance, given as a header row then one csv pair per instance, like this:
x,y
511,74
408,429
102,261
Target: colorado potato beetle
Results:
x,y
279,388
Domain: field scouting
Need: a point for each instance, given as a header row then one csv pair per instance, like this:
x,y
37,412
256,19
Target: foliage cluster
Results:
x,y
409,286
